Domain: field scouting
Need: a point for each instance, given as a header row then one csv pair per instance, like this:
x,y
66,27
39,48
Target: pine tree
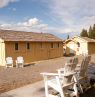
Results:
x,y
94,31
84,33
90,33
68,37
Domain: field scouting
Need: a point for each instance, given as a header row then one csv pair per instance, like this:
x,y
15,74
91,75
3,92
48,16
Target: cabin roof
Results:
x,y
10,35
88,39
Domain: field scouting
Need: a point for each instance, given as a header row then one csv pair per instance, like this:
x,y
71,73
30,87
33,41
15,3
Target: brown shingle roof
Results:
x,y
88,39
10,35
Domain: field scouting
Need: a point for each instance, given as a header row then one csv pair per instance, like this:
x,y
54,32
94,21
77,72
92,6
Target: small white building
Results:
x,y
80,45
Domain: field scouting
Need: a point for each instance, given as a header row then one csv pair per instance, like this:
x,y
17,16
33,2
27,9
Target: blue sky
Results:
x,y
59,17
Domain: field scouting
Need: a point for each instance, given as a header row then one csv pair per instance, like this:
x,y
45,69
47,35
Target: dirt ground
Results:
x,y
11,78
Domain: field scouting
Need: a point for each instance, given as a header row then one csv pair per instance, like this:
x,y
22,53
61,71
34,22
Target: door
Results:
x,y
72,48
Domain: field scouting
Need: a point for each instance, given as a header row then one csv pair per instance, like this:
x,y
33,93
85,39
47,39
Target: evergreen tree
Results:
x,y
90,33
68,37
94,31
84,33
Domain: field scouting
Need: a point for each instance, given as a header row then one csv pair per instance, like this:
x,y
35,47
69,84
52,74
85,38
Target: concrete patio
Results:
x,y
32,90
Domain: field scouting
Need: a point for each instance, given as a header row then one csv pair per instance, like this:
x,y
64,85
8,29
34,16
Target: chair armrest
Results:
x,y
61,69
56,74
49,74
16,61
72,73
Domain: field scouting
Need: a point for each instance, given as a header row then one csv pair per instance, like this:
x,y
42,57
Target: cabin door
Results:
x,y
72,48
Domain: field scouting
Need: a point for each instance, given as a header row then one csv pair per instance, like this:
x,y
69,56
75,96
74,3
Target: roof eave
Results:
x,y
30,41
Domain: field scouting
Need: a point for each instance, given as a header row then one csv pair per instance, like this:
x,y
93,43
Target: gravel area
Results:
x,y
11,78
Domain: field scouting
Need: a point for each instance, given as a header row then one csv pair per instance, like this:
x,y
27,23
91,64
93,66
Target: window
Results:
x,y
41,45
28,46
51,45
58,45
16,46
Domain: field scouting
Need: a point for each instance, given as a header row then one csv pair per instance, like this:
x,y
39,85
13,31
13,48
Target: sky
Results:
x,y
59,17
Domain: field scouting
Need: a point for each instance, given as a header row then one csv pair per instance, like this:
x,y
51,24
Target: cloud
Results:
x,y
71,9
73,15
4,3
35,25
32,24
5,25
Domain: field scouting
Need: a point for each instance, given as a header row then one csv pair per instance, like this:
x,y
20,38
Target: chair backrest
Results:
x,y
68,74
9,60
20,59
84,65
74,62
87,61
89,58
67,68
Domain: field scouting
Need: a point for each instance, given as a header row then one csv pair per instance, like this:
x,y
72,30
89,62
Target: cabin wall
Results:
x,y
2,53
91,48
38,51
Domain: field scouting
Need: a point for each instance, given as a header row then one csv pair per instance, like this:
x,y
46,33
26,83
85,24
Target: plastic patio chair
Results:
x,y
20,62
9,62
64,85
81,77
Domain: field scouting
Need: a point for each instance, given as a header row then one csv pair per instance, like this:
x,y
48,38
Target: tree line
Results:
x,y
90,33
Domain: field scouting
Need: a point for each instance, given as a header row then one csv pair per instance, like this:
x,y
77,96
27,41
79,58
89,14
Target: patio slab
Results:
x,y
32,90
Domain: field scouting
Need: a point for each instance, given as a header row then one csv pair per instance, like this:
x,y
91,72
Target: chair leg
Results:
x,y
61,91
6,66
46,90
22,65
81,88
12,65
76,92
78,86
16,65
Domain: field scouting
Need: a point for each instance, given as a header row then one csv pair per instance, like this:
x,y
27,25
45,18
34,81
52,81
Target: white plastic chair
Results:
x,y
81,77
9,62
61,84
20,62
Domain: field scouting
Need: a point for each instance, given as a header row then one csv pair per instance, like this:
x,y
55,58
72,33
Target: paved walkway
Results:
x,y
32,90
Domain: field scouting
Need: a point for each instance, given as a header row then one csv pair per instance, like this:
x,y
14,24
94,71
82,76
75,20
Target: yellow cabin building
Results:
x,y
31,46
79,45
